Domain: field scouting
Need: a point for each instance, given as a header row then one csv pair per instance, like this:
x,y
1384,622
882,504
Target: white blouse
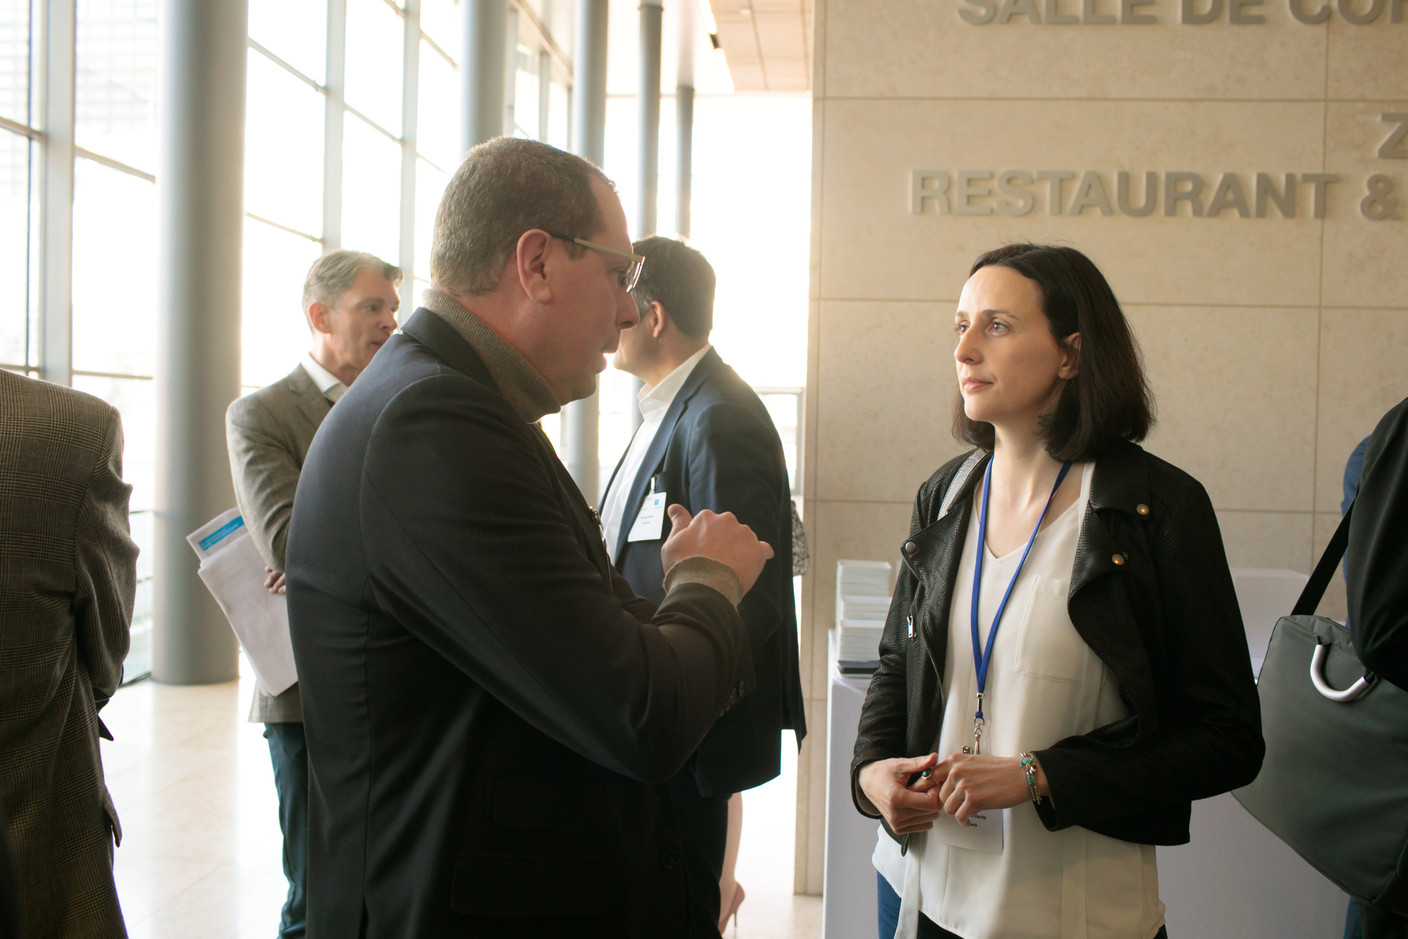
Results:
x,y
1044,684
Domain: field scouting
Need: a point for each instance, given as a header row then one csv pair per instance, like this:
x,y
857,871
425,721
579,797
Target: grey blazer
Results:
x,y
268,432
68,572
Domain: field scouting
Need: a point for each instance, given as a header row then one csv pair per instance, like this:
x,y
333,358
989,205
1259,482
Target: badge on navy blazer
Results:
x,y
650,523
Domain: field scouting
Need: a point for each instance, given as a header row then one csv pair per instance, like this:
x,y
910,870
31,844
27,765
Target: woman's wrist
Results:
x,y
1034,776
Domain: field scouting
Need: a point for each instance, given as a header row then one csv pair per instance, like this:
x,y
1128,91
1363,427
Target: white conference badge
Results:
x,y
650,523
983,833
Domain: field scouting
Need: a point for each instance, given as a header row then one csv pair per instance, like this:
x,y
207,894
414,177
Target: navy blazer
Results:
x,y
489,710
717,448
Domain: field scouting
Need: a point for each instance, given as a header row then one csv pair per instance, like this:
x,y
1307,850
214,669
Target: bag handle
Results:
x,y
1317,678
1325,569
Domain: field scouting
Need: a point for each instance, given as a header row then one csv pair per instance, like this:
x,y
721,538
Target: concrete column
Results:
x,y
650,17
589,81
200,224
581,418
684,149
482,70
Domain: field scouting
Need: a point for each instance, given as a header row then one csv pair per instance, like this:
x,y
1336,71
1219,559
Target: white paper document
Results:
x,y
233,571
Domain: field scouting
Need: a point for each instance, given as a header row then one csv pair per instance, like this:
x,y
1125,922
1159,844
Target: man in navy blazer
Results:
x,y
491,714
706,442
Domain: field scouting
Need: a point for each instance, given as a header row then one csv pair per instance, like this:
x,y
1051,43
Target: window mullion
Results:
x,y
410,125
333,124
55,220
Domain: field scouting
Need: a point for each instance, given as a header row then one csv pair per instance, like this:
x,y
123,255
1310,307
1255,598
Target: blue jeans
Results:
x,y
887,909
1366,922
289,752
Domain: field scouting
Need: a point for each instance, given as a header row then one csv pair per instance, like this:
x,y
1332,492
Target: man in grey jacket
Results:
x,y
350,302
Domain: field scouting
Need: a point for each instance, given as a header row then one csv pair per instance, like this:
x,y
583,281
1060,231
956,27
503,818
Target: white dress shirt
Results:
x,y
653,405
329,384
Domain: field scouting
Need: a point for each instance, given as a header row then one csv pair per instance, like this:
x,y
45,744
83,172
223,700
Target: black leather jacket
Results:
x,y
1152,596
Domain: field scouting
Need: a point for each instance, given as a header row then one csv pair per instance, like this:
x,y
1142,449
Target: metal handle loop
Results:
x,y
1317,678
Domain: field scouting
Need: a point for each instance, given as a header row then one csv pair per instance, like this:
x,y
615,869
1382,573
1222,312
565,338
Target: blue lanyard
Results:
x,y
982,657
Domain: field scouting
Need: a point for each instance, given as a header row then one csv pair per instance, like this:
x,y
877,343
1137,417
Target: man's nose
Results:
x,y
626,313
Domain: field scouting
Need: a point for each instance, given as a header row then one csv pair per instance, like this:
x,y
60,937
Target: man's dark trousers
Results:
x,y
289,753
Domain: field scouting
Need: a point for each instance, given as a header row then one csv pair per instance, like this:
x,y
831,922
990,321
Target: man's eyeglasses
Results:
x,y
629,276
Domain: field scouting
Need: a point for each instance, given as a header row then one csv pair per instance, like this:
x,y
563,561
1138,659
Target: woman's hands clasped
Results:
x,y
963,785
905,808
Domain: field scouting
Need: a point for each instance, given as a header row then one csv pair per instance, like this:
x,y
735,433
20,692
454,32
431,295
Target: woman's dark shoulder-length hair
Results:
x,y
1108,399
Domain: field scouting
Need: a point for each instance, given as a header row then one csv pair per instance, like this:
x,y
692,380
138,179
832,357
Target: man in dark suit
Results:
x,y
706,442
350,304
490,712
68,575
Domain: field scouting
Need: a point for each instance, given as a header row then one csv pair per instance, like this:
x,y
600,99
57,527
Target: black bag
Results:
x,y
1334,784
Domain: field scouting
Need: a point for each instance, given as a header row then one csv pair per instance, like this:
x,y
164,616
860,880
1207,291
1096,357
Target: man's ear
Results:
x,y
660,321
318,317
1070,358
533,264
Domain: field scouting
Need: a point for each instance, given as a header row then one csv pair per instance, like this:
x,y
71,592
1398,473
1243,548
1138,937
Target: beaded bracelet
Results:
x,y
1029,768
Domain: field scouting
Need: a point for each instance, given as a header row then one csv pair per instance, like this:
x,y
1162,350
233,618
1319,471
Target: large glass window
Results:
x,y
295,209
274,326
283,147
440,22
527,86
114,260
295,31
15,38
115,80
371,191
14,249
375,61
430,186
438,126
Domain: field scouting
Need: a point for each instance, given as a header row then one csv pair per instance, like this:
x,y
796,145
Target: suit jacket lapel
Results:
x,y
312,402
655,455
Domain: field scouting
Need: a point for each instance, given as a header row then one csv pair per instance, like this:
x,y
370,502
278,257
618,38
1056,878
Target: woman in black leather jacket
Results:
x,y
1118,688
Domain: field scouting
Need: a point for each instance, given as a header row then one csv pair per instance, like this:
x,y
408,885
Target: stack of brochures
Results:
x,y
862,600
230,566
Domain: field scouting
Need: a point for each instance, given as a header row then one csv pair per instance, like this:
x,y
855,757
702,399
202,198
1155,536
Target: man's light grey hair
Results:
x,y
332,275
504,187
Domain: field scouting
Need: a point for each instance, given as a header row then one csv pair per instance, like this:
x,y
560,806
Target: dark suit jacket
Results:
x,y
268,433
717,449
489,709
67,582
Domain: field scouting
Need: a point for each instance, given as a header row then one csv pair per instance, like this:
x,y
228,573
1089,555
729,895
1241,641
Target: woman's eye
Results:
x,y
960,328
998,328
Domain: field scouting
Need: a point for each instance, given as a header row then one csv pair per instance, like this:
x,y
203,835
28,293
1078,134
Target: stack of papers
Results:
x,y
230,566
862,601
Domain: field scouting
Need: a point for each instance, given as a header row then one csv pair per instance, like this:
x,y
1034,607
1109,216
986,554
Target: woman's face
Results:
x,y
1010,368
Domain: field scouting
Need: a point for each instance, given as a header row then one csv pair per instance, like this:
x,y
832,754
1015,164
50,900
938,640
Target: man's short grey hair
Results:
x,y
505,187
332,275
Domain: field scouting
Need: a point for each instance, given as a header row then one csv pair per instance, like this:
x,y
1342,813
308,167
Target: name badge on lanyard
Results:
x,y
650,523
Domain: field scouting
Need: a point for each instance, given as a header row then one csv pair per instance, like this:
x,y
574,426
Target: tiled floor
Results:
x,y
200,847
